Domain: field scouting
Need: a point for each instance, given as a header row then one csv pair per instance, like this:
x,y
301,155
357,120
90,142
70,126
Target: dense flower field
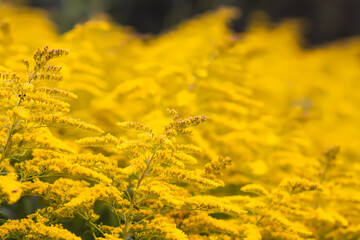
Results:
x,y
200,133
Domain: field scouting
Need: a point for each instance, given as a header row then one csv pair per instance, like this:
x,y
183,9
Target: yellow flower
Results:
x,y
10,188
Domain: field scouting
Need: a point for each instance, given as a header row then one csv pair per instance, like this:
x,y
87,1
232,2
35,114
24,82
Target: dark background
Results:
x,y
326,20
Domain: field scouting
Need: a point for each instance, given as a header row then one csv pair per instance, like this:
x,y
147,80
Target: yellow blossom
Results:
x,y
10,188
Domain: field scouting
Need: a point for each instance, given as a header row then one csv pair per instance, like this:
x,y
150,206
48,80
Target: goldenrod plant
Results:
x,y
152,189
287,117
28,109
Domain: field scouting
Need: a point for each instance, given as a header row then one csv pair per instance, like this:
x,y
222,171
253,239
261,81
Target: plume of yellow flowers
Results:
x,y
287,117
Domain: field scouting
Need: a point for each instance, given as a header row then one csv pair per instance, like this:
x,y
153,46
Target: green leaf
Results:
x,y
144,208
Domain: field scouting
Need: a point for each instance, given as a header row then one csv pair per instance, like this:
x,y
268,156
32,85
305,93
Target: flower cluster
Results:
x,y
138,169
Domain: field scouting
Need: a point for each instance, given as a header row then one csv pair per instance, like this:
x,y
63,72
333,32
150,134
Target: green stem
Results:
x,y
92,225
7,146
128,219
117,216
129,215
